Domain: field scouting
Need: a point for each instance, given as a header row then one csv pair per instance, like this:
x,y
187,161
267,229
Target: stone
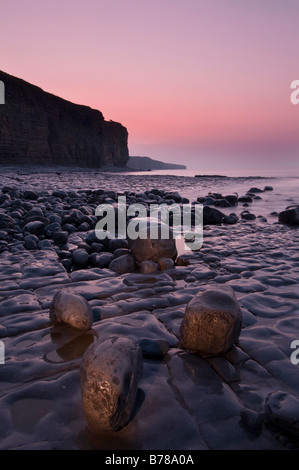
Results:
x,y
120,252
60,238
212,321
166,263
44,244
110,371
36,227
117,243
209,201
97,247
101,260
289,216
232,199
222,203
28,194
268,188
80,257
246,215
245,199
6,221
212,216
148,267
230,219
31,242
72,309
123,264
153,248
255,190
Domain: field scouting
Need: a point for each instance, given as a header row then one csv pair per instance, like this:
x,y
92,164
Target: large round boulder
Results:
x,y
72,309
110,372
212,321
153,248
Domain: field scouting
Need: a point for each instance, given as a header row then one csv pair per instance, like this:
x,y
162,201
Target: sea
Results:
x,y
189,183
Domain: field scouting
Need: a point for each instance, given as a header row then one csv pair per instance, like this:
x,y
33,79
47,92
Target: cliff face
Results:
x,y
39,128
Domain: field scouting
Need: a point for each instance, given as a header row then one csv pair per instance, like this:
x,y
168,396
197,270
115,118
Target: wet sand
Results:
x,y
184,401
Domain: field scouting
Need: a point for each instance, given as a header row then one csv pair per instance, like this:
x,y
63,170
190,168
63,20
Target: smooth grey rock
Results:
x,y
123,264
71,309
212,321
109,376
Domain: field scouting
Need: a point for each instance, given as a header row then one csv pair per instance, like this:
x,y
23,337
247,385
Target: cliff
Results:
x,y
40,128
146,163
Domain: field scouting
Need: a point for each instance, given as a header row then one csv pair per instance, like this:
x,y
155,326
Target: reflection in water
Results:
x,y
69,343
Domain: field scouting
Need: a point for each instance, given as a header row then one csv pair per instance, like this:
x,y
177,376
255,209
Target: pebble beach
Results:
x,y
243,399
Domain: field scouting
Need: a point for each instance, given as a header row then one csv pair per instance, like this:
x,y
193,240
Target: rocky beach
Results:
x,y
243,396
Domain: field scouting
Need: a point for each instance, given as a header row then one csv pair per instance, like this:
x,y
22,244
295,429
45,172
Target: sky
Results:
x,y
205,83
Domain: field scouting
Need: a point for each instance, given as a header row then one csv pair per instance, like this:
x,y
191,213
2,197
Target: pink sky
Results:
x,y
201,82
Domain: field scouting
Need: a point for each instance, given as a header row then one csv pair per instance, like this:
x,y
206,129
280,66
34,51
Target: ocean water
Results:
x,y
285,183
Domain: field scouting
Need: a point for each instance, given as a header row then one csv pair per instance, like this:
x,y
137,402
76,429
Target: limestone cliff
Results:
x,y
40,128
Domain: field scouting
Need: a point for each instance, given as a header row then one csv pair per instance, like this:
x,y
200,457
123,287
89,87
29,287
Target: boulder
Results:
x,y
289,216
71,309
123,264
153,248
212,216
109,375
212,321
